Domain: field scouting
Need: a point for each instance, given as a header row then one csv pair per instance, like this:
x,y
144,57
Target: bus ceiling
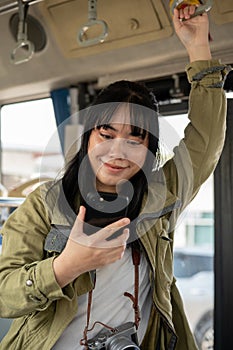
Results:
x,y
67,42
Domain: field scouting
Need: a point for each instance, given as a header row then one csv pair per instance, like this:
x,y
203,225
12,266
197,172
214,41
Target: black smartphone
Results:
x,y
102,209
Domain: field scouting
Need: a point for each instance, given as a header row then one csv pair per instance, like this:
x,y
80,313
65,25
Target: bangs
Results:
x,y
135,130
142,119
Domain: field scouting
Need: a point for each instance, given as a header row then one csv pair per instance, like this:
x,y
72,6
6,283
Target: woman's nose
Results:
x,y
117,148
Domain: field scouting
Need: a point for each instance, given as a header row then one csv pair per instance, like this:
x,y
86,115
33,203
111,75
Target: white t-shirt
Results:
x,y
109,305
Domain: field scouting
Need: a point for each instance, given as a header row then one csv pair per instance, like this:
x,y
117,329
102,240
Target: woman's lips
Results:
x,y
114,167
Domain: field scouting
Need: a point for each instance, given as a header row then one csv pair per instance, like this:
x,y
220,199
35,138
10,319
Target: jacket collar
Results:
x,y
157,202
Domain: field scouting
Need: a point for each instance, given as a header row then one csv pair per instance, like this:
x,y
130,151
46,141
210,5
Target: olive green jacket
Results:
x,y
37,231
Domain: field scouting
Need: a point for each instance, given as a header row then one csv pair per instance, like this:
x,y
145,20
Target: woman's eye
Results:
x,y
105,136
134,143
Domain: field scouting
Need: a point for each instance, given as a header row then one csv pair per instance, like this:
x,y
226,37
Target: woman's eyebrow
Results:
x,y
108,126
137,133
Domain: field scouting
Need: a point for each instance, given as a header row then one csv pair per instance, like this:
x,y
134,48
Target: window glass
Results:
x,y
193,247
229,94
30,145
195,227
189,264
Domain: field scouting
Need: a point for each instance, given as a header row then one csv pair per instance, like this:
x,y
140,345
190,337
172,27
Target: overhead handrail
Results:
x,y
9,7
12,202
7,205
24,49
25,188
205,7
92,21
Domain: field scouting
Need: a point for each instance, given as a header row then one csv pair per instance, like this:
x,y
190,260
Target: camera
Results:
x,y
124,337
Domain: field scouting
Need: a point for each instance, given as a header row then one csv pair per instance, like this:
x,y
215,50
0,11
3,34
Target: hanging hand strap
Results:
x,y
24,48
92,22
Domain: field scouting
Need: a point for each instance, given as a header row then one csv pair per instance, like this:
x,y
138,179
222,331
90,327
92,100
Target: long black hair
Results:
x,y
78,178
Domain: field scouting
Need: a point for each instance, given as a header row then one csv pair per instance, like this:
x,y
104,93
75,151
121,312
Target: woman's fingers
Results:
x,y
109,230
99,239
188,11
77,228
183,14
120,240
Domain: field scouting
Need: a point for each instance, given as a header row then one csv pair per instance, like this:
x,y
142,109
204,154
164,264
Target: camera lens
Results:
x,y
122,343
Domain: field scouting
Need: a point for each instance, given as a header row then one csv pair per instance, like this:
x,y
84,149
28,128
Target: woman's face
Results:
x,y
115,152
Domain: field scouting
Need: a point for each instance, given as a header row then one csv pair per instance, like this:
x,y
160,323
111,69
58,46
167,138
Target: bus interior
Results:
x,y
58,54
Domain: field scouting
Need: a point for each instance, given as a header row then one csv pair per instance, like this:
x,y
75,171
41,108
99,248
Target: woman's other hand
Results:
x,y
193,33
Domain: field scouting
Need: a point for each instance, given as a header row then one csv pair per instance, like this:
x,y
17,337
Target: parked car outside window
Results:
x,y
193,269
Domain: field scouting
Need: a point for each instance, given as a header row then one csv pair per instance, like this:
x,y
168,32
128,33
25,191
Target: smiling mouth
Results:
x,y
114,167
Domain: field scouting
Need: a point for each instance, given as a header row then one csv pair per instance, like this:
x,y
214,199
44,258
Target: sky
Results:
x,y
28,125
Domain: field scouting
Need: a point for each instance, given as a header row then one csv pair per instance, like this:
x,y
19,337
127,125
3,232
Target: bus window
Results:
x,y
193,247
30,145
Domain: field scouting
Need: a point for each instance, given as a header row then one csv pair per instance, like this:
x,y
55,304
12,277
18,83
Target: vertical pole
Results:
x,y
0,144
223,189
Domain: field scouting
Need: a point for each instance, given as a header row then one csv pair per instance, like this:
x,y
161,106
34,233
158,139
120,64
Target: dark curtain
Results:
x,y
223,189
61,105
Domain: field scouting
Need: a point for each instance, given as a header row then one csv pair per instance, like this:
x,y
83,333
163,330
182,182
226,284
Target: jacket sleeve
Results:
x,y
197,155
27,281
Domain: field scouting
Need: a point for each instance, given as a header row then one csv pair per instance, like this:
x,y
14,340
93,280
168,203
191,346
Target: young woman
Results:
x,y
64,286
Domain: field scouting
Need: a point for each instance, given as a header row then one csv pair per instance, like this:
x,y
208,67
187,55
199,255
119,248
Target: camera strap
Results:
x,y
136,262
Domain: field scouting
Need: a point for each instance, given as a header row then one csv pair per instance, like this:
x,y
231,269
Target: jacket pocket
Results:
x,y
29,332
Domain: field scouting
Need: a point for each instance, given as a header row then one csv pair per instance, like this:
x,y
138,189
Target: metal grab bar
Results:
x,y
11,202
92,21
205,7
5,8
7,204
24,49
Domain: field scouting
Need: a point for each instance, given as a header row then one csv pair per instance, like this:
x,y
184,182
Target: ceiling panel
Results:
x,y
222,11
130,23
